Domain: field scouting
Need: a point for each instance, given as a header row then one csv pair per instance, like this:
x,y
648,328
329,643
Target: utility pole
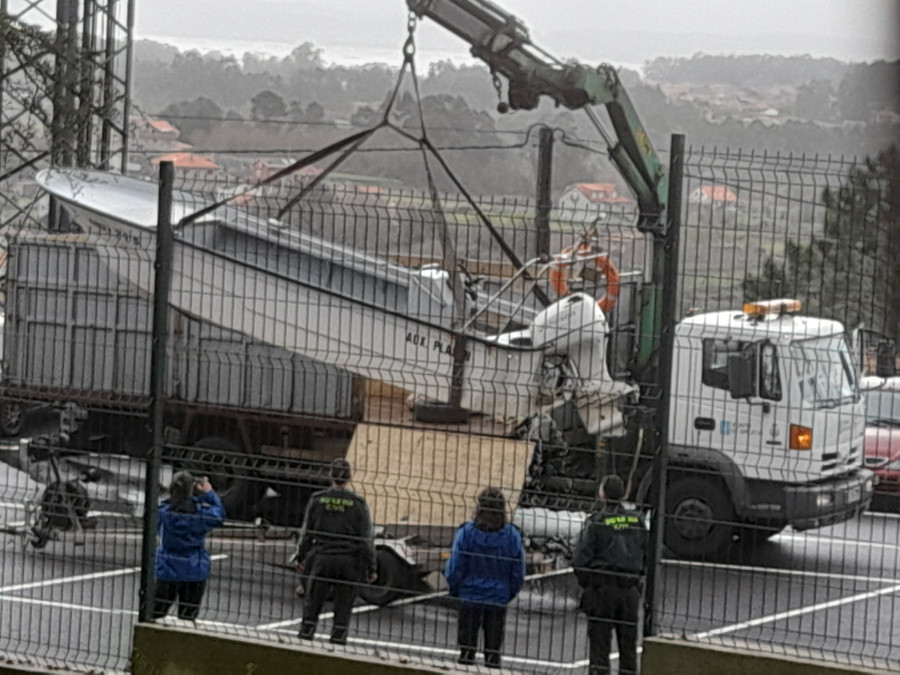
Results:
x,y
544,181
665,280
162,282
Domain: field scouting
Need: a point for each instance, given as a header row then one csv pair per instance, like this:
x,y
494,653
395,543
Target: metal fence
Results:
x,y
822,230
331,332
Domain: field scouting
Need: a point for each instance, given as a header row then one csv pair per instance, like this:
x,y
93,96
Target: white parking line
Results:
x,y
70,580
729,567
406,601
81,577
881,514
835,541
405,647
791,613
64,605
280,626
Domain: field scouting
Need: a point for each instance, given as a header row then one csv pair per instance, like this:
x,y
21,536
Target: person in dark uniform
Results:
x,y
337,550
609,562
182,561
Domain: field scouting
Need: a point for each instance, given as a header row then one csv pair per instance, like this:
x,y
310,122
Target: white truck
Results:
x,y
766,427
766,430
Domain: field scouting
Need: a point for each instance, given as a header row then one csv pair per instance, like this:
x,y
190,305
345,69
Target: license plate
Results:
x,y
855,494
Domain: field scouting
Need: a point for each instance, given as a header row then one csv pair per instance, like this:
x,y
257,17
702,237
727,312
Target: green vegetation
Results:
x,y
298,103
850,273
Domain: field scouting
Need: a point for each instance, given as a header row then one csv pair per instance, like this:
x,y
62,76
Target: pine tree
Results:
x,y
851,273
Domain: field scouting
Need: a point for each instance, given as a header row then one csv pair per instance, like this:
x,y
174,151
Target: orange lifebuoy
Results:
x,y
559,276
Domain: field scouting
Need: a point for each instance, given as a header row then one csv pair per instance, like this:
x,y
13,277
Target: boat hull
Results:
x,y
335,304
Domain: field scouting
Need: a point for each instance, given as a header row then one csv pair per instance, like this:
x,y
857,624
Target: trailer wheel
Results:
x,y
239,493
39,538
11,417
699,518
391,582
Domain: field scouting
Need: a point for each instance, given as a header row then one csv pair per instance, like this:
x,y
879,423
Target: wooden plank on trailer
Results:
x,y
431,477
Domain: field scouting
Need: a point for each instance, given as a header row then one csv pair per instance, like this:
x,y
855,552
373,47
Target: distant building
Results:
x,y
713,195
188,164
265,168
154,134
590,200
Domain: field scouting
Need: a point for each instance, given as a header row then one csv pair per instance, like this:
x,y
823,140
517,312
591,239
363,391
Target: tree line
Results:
x,y
298,102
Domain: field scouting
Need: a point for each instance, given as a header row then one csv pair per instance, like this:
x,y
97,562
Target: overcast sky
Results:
x,y
621,31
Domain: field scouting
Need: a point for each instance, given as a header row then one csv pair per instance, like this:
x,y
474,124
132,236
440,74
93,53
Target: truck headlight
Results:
x,y
823,500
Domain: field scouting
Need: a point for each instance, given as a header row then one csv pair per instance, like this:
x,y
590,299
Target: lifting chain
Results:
x,y
409,47
502,106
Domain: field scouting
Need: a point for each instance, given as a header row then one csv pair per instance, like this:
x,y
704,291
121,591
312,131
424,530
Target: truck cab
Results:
x,y
766,427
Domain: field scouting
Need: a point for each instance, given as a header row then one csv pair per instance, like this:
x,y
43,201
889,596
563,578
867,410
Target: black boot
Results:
x,y
466,656
339,635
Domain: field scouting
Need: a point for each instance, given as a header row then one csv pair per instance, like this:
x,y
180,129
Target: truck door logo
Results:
x,y
725,427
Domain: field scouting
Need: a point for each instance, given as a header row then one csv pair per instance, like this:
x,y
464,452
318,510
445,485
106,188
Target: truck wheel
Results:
x,y
239,493
391,580
699,518
11,416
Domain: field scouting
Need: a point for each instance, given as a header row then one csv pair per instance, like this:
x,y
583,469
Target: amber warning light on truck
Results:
x,y
778,307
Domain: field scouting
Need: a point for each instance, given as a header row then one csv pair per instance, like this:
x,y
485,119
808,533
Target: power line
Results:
x,y
323,123
289,151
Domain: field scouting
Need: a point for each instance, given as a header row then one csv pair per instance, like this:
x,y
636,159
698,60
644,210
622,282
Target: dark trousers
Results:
x,y
472,619
612,608
188,594
337,574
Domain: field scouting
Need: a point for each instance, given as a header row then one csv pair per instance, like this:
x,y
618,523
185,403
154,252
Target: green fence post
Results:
x,y
163,273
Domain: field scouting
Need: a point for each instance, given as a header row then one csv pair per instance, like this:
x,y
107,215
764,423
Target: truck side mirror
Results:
x,y
742,374
886,359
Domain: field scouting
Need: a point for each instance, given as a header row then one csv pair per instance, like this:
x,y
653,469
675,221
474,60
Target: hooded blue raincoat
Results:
x,y
486,567
181,555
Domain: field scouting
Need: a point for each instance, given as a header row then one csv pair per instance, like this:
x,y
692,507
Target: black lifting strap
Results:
x,y
356,138
425,143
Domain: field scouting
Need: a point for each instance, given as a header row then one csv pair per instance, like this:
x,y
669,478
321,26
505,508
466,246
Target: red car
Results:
x,y
882,446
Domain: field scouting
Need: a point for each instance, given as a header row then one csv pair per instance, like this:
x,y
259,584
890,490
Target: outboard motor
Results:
x,y
576,328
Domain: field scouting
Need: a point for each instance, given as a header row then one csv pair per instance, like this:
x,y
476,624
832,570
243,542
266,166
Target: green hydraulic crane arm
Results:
x,y
502,42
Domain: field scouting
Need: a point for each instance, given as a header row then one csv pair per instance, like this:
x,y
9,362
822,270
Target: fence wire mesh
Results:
x,y
330,332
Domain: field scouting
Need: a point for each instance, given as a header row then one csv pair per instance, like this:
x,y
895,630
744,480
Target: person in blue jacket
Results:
x,y
485,571
182,561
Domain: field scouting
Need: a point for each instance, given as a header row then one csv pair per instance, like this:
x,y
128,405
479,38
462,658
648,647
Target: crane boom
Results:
x,y
502,42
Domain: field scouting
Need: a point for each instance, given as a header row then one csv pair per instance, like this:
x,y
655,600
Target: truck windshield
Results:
x,y
825,370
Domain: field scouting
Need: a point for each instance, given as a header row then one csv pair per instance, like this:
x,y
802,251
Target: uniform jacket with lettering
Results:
x,y
486,567
612,545
182,527
337,522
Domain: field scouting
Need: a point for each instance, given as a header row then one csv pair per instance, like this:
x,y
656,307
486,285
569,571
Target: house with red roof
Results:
x,y
713,195
264,168
153,133
188,164
591,200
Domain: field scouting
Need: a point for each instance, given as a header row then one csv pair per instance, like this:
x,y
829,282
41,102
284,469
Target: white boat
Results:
x,y
342,306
